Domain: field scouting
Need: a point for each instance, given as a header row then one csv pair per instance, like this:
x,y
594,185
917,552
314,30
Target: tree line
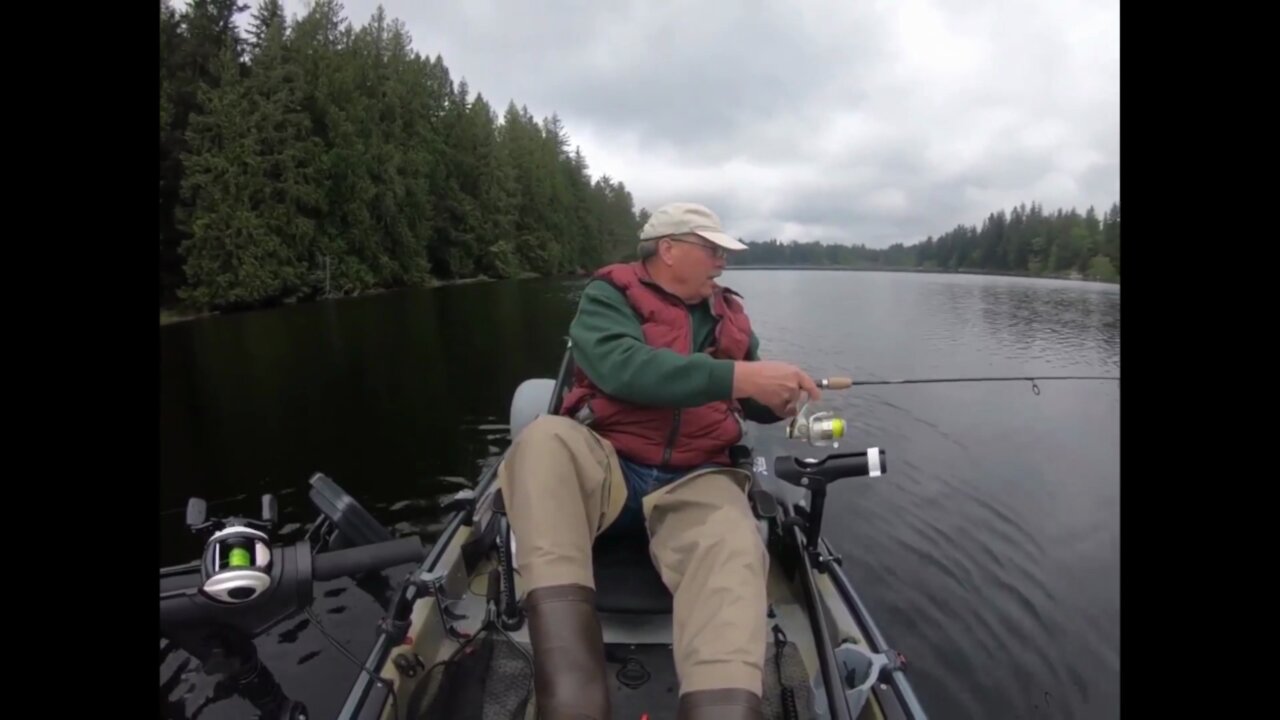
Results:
x,y
1026,240
307,157
304,157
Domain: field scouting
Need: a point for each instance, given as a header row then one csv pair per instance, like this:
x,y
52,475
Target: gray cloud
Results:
x,y
862,122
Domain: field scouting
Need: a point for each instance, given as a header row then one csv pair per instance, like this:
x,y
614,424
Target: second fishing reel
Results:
x,y
236,564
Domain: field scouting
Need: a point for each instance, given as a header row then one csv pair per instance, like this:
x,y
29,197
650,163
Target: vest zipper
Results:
x,y
675,421
671,439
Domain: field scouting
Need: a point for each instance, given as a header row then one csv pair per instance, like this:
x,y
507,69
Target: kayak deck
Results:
x,y
495,671
639,660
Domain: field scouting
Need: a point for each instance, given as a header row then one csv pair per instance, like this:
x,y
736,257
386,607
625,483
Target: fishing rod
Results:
x,y
824,428
841,383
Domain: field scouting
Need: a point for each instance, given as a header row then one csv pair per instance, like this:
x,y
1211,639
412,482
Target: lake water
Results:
x,y
989,554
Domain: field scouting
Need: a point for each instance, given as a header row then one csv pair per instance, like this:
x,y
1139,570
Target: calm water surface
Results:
x,y
989,554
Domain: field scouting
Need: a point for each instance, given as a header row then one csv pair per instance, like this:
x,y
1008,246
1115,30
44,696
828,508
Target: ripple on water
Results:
x,y
965,570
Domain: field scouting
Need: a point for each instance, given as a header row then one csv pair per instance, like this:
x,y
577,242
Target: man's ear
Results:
x,y
665,249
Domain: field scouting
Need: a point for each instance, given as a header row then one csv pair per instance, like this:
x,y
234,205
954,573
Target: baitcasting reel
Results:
x,y
236,564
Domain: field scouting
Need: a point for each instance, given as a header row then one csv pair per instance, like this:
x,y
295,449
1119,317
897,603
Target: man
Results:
x,y
667,368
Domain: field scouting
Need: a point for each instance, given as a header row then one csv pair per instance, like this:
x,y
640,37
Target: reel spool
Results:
x,y
819,429
236,566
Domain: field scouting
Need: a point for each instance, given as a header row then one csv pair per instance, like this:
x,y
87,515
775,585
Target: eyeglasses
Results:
x,y
715,250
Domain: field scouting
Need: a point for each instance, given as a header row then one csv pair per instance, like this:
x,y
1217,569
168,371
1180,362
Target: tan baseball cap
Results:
x,y
683,217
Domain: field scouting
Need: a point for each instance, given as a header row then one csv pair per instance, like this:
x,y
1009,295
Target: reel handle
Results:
x,y
197,513
198,516
270,510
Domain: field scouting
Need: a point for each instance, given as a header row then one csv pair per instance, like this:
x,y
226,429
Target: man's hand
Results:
x,y
776,385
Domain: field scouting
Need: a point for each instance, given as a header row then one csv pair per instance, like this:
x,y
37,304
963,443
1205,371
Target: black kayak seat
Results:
x,y
626,579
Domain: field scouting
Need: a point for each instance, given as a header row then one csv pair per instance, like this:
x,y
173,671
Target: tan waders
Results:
x,y
562,486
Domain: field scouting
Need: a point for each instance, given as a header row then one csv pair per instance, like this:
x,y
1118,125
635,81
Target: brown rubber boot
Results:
x,y
568,653
726,704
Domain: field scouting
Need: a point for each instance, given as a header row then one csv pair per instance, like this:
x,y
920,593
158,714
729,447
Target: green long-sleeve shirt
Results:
x,y
609,346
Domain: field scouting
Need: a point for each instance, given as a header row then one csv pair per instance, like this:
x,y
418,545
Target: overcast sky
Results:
x,y
843,120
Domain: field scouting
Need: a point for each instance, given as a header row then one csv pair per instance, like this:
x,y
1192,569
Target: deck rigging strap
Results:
x,y
790,711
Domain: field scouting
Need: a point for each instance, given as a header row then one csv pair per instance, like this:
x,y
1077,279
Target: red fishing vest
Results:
x,y
671,437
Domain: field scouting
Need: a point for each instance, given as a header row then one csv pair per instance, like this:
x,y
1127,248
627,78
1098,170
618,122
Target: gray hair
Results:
x,y
647,248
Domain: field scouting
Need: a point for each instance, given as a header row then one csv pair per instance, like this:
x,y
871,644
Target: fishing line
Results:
x,y
395,706
210,503
837,383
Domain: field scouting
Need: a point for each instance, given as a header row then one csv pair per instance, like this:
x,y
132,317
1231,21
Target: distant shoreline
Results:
x,y
937,271
176,314
171,315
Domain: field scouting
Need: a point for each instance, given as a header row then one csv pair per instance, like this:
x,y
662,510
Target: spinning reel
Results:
x,y
819,429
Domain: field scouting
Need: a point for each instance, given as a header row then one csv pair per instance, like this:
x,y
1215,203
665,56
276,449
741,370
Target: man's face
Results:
x,y
695,262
